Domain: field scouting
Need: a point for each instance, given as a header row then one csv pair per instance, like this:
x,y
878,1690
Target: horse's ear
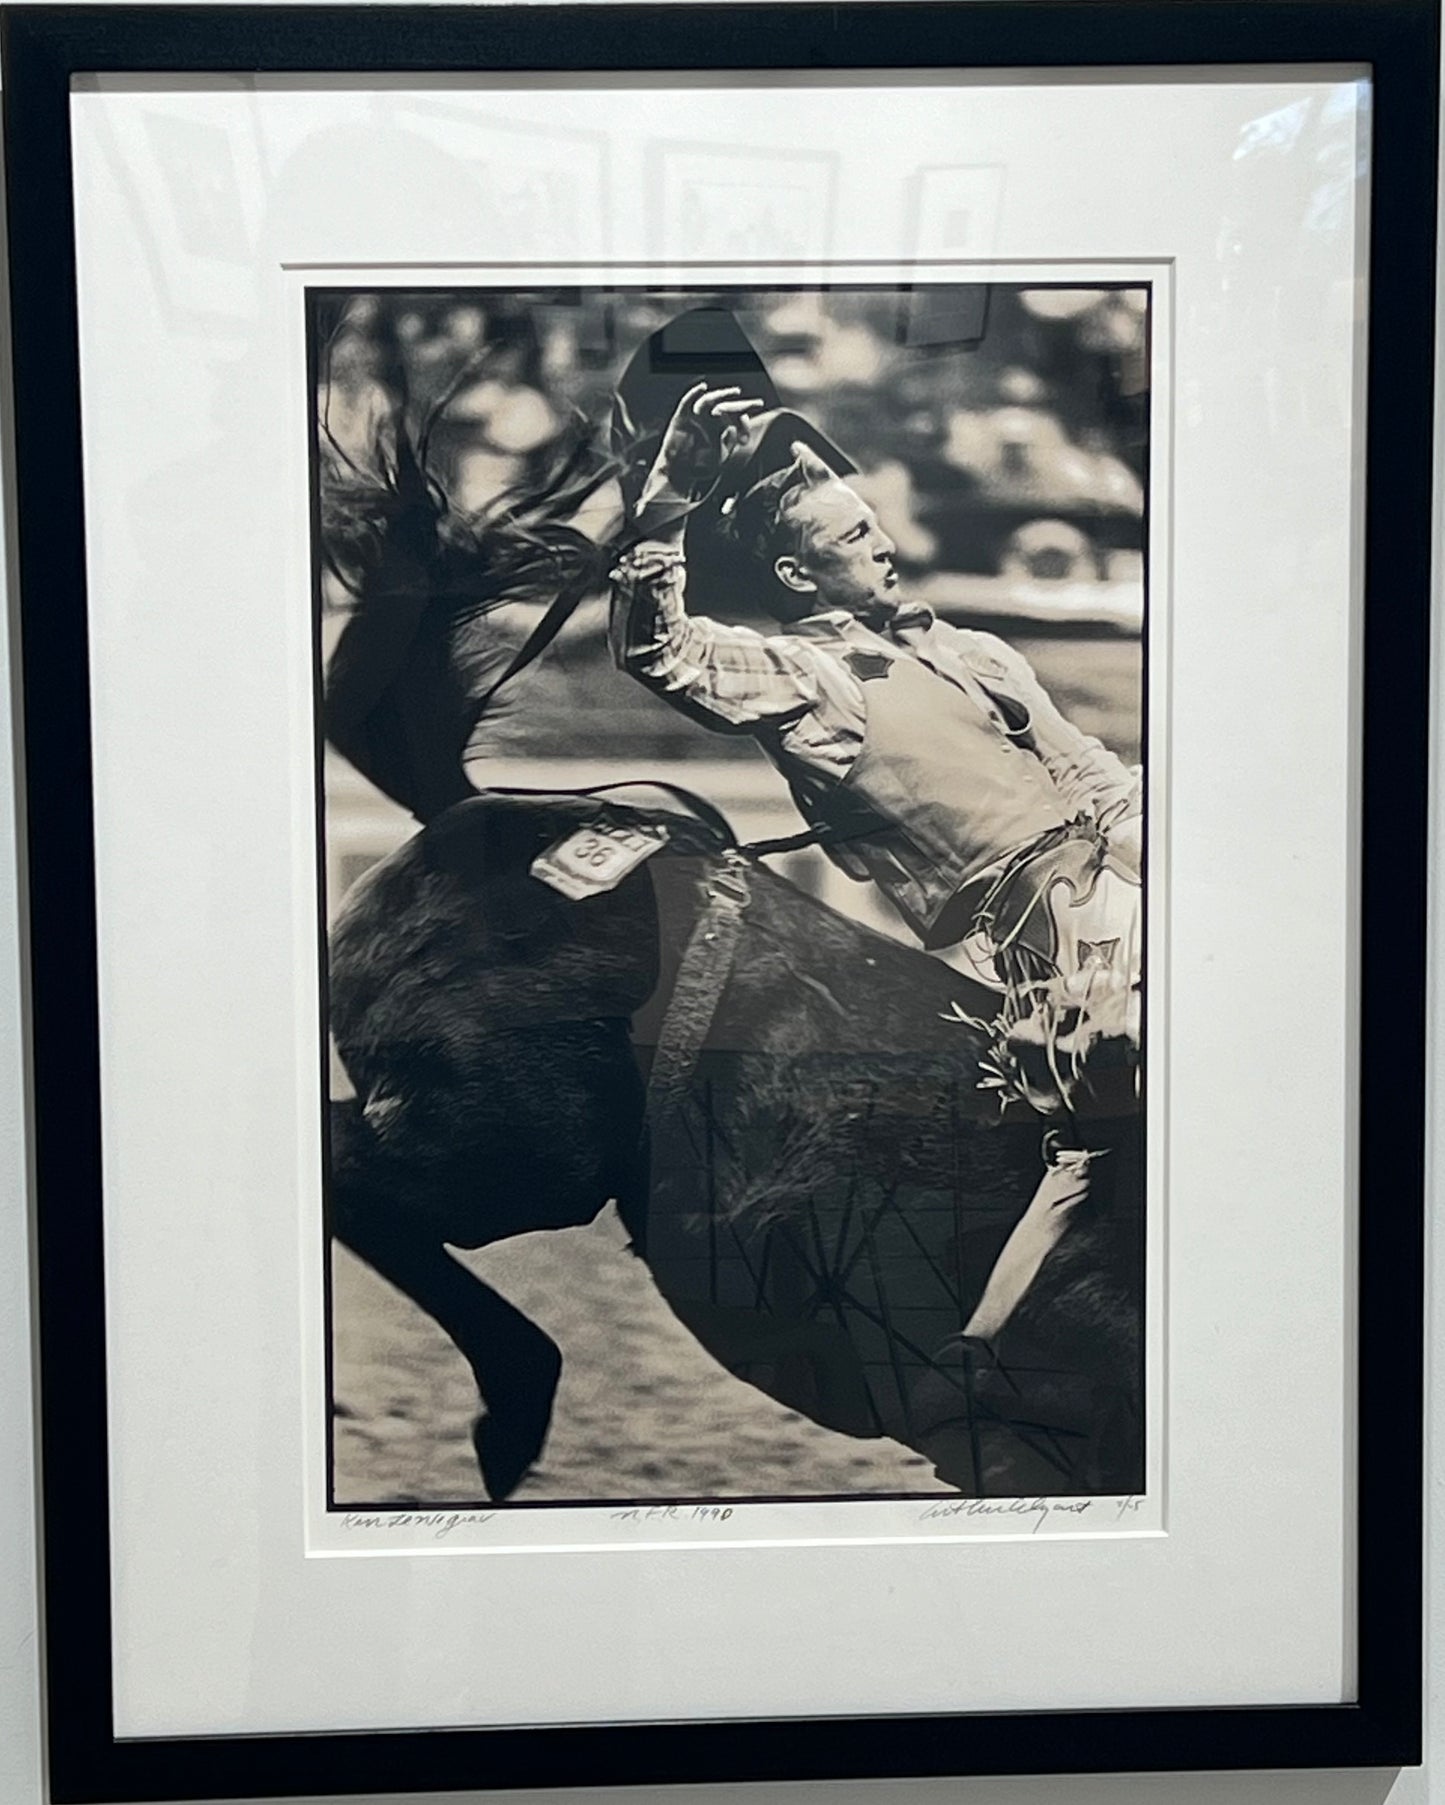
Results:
x,y
812,469
754,514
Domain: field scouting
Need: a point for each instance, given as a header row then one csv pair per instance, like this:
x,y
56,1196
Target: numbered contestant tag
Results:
x,y
595,859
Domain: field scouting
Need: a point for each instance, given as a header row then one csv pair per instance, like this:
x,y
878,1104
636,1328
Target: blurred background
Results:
x,y
1001,433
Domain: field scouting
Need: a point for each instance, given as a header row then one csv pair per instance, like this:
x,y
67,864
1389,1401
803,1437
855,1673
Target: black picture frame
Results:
x,y
44,46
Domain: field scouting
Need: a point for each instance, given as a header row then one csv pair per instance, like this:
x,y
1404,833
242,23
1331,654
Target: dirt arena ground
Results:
x,y
642,1410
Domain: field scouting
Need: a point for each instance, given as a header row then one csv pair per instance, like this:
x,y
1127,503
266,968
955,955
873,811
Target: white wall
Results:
x,y
20,1781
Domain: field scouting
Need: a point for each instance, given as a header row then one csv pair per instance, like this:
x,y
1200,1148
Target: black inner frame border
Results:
x,y
44,46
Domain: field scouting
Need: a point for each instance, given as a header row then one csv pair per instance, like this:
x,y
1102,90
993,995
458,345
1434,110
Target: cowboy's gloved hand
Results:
x,y
704,427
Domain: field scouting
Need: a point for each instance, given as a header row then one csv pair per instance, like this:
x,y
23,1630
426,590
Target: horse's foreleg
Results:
x,y
515,1364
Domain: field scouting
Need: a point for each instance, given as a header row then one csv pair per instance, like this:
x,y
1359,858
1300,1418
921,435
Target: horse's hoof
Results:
x,y
509,1437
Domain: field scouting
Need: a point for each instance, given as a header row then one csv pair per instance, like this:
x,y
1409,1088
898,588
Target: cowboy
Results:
x,y
925,757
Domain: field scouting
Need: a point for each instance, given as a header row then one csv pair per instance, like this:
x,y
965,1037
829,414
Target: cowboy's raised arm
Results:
x,y
730,678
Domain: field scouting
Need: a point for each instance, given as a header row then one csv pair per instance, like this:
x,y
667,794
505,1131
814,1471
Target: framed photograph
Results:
x,y
725,757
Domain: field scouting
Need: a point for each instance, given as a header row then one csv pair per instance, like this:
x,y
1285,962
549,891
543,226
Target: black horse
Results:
x,y
784,1107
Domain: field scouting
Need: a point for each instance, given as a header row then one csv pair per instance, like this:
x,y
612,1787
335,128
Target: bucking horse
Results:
x,y
784,1106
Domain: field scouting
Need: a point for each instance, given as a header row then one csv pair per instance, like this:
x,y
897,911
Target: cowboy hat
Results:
x,y
706,344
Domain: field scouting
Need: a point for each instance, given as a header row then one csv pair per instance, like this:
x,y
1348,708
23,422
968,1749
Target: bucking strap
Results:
x,y
702,976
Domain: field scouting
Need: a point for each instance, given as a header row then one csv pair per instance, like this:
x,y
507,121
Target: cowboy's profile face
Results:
x,y
842,556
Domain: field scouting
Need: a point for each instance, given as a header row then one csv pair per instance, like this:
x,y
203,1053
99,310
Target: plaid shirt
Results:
x,y
794,692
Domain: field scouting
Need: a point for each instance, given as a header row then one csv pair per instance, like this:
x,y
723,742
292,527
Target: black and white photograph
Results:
x,y
732,795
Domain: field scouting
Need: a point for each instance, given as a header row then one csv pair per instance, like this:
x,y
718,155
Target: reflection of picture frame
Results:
x,y
531,184
214,221
957,210
91,824
741,204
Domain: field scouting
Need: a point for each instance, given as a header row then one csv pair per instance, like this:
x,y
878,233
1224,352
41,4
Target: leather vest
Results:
x,y
938,793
